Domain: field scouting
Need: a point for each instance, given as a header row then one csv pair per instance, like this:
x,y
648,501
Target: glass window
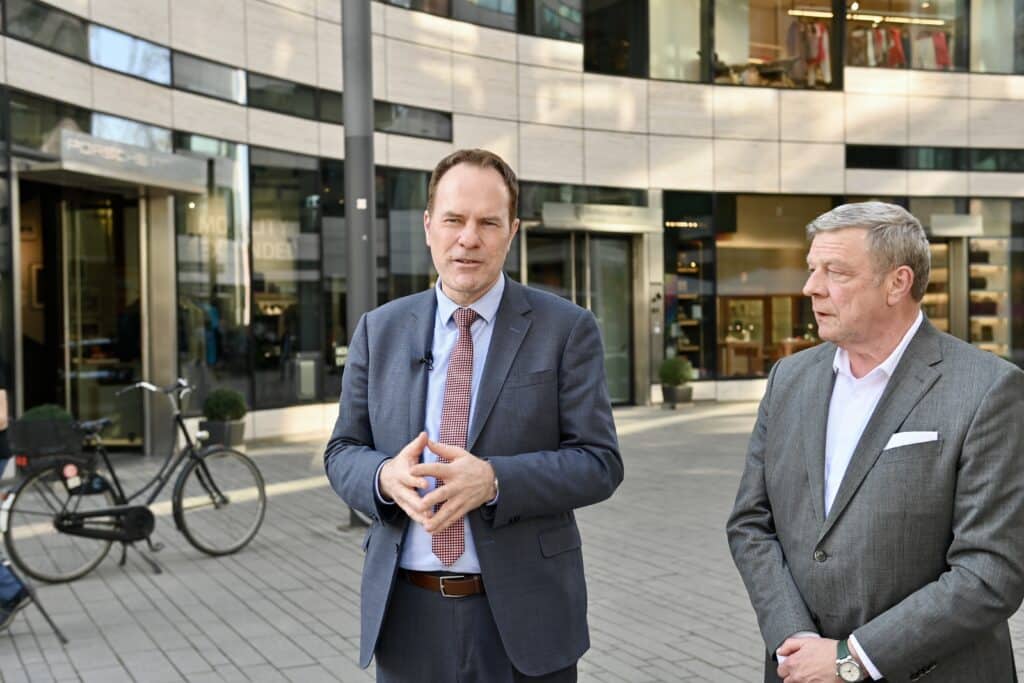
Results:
x,y
209,78
409,268
533,195
36,122
332,107
131,132
615,37
494,13
402,119
439,7
127,54
213,272
282,96
907,34
1004,160
675,28
335,253
997,38
560,19
876,156
761,269
772,43
995,263
49,27
286,316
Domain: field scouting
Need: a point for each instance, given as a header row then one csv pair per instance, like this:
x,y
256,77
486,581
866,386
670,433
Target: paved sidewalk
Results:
x,y
666,603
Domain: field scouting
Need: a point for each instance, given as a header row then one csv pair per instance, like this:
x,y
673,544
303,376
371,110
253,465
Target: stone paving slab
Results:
x,y
666,604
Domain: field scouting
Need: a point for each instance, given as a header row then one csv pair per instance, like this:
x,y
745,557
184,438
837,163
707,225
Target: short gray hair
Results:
x,y
895,237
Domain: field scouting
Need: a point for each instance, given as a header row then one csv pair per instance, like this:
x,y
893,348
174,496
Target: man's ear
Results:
x,y
899,284
426,227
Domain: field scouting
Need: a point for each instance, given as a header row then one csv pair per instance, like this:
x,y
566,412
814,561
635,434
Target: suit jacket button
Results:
x,y
820,556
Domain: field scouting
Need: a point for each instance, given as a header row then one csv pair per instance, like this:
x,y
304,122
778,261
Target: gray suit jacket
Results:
x,y
922,553
544,421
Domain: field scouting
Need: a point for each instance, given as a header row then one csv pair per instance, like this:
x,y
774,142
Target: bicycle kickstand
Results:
x,y
153,564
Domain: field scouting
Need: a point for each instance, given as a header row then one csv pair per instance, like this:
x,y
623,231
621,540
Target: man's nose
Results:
x,y
813,285
469,236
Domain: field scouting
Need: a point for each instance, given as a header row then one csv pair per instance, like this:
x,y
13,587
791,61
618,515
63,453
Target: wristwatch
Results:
x,y
847,668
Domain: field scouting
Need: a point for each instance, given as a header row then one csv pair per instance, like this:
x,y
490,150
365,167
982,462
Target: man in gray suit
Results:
x,y
879,524
474,419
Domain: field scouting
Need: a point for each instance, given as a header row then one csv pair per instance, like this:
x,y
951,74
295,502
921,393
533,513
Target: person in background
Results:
x,y
14,597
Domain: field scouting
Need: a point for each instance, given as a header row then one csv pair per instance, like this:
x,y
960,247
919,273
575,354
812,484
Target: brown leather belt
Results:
x,y
455,586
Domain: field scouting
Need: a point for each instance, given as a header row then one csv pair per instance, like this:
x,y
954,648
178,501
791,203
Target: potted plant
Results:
x,y
674,373
223,411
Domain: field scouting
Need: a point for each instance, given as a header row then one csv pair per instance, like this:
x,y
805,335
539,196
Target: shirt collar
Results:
x,y
486,306
841,361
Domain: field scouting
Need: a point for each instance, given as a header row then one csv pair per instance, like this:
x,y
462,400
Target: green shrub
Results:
x,y
224,405
675,371
46,411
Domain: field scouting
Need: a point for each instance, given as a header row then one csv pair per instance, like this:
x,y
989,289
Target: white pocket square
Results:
x,y
908,438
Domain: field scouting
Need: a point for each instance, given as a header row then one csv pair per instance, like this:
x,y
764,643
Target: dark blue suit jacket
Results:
x,y
544,421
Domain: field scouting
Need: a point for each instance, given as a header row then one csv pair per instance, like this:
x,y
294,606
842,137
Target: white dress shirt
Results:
x,y
417,553
853,402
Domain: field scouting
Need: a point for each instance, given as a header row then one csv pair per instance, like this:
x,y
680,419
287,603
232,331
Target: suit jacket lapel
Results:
x,y
913,377
814,400
420,341
510,327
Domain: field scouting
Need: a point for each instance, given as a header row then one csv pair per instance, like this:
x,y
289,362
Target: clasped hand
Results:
x,y
808,660
468,483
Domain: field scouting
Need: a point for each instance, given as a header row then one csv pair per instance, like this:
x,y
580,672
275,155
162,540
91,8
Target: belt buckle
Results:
x,y
442,580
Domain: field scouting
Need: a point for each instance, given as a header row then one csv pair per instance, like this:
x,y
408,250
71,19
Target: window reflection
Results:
x,y
675,29
47,26
559,19
615,38
997,37
335,253
121,52
36,122
409,268
213,271
286,278
402,119
131,132
282,96
494,13
209,78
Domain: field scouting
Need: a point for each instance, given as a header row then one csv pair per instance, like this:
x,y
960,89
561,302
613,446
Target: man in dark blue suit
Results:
x,y
474,420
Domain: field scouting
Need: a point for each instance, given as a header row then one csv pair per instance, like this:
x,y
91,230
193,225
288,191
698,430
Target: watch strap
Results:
x,y
842,650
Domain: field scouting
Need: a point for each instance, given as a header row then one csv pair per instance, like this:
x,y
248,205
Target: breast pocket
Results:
x,y
911,452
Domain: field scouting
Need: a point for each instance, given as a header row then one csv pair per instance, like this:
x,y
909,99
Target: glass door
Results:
x,y
102,312
595,272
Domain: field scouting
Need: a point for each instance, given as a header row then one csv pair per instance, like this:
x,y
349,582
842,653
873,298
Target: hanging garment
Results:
x,y
858,48
896,55
869,37
924,52
824,54
941,43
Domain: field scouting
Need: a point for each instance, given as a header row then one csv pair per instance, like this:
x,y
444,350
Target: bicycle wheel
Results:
x,y
219,501
31,538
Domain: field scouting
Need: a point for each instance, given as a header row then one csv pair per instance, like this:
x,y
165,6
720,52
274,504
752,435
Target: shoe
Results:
x,y
10,609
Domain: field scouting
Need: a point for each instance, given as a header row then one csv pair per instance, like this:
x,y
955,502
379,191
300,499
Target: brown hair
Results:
x,y
483,159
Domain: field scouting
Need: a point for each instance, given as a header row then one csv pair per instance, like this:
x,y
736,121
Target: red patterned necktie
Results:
x,y
450,543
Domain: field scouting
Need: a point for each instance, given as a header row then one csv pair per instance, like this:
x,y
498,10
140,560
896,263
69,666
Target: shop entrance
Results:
x,y
594,271
81,309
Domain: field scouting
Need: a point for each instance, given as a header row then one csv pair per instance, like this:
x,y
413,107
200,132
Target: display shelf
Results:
x,y
688,322
988,318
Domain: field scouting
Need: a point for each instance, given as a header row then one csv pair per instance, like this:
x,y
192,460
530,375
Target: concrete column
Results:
x,y
160,318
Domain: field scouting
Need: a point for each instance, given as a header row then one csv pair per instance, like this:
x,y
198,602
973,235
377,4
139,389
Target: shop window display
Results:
x,y
286,301
911,34
761,266
335,266
774,43
213,272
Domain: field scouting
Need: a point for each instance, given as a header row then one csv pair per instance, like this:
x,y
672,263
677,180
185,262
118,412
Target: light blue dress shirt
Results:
x,y
416,552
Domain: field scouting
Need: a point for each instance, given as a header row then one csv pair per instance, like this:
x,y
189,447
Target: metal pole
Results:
x,y
360,204
360,207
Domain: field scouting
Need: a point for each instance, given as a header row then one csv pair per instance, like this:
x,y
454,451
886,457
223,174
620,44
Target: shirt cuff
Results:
x,y
798,634
376,485
864,659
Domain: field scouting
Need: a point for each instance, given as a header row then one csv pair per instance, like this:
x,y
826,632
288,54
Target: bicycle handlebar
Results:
x,y
180,385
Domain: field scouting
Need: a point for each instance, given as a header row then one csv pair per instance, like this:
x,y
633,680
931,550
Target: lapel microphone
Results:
x,y
428,360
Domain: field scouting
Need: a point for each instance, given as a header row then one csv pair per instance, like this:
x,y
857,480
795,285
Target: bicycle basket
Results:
x,y
35,438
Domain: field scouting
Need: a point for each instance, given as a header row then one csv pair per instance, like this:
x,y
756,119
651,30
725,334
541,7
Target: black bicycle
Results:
x,y
60,521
